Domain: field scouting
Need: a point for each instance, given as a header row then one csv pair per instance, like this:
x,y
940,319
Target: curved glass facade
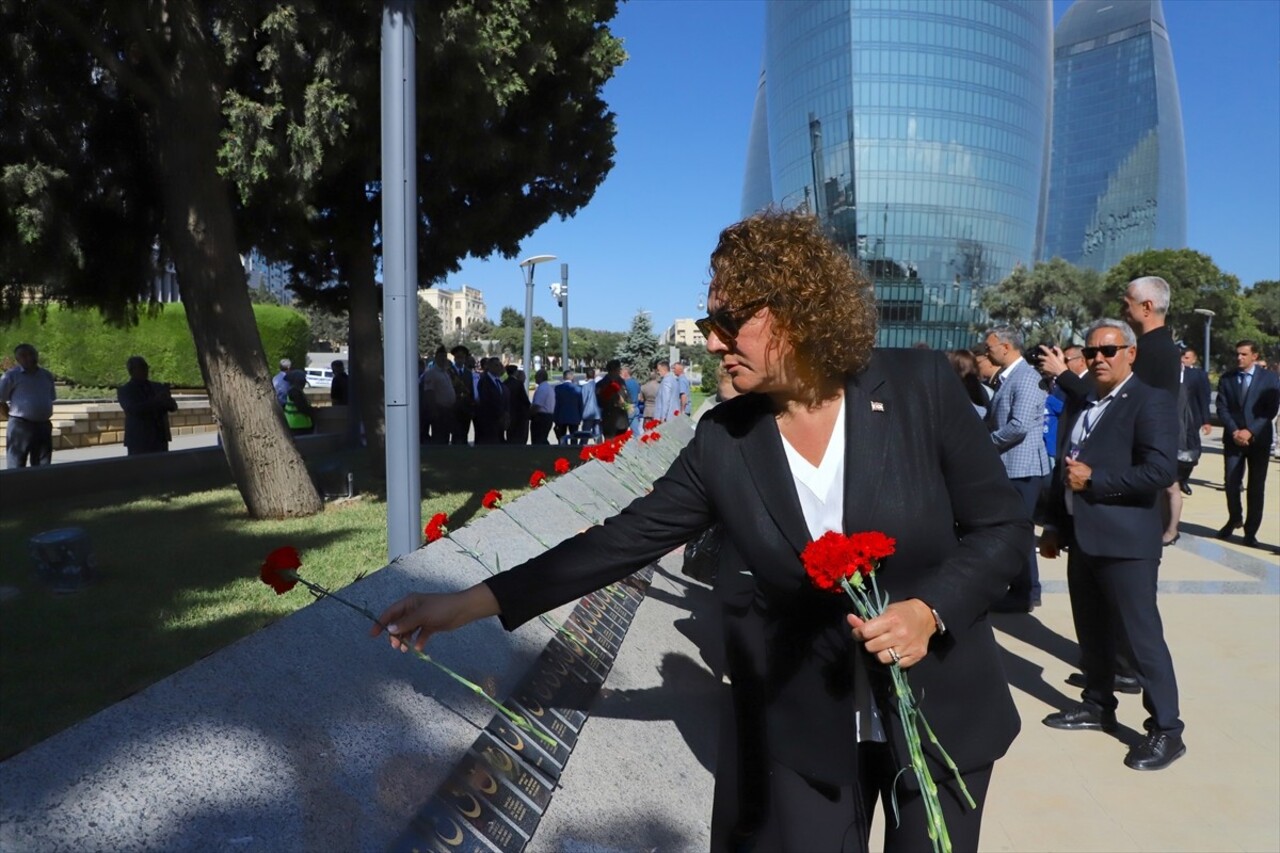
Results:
x,y
918,131
1117,179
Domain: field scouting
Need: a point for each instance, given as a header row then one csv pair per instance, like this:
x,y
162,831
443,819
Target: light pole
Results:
x,y
1208,321
560,290
528,264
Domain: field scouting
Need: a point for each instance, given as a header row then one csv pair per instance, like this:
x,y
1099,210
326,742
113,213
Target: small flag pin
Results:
x,y
877,406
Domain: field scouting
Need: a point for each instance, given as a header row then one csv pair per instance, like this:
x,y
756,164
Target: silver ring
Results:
x,y
893,654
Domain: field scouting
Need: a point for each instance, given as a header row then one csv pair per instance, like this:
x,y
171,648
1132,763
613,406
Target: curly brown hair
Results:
x,y
820,303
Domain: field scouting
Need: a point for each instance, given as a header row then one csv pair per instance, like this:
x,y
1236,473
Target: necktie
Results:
x,y
1245,378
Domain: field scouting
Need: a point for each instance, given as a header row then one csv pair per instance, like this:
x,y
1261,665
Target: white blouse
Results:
x,y
821,492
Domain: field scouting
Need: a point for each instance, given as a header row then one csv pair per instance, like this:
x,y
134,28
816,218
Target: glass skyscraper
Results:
x,y
918,132
1117,178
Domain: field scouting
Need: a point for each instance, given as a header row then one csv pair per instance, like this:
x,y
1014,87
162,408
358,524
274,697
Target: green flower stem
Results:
x,y
321,592
869,602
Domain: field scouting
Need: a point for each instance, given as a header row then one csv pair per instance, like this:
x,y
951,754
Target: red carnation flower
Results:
x,y
606,452
586,454
437,527
873,545
831,558
492,499
537,478
562,465
652,423
654,436
278,569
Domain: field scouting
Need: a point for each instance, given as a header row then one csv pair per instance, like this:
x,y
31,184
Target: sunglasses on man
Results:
x,y
728,322
1107,350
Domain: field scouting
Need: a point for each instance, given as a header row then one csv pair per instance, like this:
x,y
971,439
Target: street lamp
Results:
x,y
560,290
528,264
1208,321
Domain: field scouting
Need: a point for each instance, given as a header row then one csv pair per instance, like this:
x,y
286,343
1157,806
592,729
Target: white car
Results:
x,y
320,377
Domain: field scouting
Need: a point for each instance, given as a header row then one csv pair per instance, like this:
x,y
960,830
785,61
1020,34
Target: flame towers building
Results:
x,y
1117,177
918,132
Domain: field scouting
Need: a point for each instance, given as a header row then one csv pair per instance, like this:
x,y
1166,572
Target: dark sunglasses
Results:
x,y
726,323
1107,350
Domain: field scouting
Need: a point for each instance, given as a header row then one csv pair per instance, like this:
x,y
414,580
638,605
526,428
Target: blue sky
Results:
x,y
683,103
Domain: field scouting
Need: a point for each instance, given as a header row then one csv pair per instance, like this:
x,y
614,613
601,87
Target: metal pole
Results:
x,y
1208,321
400,279
564,313
528,317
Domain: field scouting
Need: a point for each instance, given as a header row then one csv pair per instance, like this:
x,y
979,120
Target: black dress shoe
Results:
x,y
1157,751
1225,531
1082,718
1186,490
1121,684
1251,540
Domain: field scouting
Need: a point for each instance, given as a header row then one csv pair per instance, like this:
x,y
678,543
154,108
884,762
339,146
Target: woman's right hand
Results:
x,y
412,620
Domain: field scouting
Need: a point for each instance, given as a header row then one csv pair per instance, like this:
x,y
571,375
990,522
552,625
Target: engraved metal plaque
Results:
x,y
507,766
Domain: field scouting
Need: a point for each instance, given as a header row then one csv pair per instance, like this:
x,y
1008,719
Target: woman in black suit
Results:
x,y
826,434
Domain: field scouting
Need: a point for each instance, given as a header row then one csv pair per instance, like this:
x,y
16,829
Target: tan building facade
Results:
x,y
682,333
458,309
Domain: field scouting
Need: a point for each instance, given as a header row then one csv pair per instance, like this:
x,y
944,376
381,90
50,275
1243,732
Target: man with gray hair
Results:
x,y
1116,456
1159,363
1016,421
280,382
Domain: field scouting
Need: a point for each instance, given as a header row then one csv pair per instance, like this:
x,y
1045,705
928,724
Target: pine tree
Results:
x,y
640,347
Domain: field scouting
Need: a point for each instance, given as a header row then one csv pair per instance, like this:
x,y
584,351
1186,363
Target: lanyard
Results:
x,y
1088,423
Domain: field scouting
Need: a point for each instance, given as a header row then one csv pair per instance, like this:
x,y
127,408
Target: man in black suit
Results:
x,y
492,412
1193,410
1117,451
1248,398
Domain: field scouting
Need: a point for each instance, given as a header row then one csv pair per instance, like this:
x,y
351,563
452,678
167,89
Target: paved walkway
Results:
x,y
652,731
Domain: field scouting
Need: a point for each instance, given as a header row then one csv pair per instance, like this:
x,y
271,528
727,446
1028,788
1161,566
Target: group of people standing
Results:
x,y
1099,441
28,392
460,394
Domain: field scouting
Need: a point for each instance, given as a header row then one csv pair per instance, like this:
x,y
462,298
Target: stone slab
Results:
x,y
606,484
304,736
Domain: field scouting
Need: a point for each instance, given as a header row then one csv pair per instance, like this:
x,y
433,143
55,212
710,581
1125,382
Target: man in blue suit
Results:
x,y
1117,450
568,414
1248,398
1016,422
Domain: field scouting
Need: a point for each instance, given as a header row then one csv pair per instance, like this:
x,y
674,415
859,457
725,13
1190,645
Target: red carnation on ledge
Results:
x,y
562,465
537,478
848,564
278,569
652,423
492,499
280,572
437,527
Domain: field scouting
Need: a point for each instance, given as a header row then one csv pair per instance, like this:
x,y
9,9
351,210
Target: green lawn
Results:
x,y
178,580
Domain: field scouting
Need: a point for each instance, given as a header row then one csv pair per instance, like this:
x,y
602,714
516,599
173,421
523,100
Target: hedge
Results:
x,y
79,347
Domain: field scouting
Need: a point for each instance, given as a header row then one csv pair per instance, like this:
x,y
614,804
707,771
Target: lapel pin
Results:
x,y
877,406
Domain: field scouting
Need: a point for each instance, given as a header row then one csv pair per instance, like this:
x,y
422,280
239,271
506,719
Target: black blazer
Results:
x,y
918,467
1254,412
146,407
1132,453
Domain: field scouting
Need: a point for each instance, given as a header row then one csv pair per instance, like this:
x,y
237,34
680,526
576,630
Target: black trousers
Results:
x,y
29,442
539,427
790,812
1113,604
1236,460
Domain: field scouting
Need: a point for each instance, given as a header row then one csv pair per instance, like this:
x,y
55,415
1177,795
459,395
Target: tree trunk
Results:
x,y
264,461
365,340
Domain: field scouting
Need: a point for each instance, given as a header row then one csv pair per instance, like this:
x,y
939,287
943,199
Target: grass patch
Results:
x,y
178,580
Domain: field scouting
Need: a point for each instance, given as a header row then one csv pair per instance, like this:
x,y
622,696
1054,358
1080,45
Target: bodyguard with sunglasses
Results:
x,y
1117,451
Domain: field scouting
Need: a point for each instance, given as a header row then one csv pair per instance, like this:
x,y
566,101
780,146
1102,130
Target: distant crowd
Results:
x,y
461,396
